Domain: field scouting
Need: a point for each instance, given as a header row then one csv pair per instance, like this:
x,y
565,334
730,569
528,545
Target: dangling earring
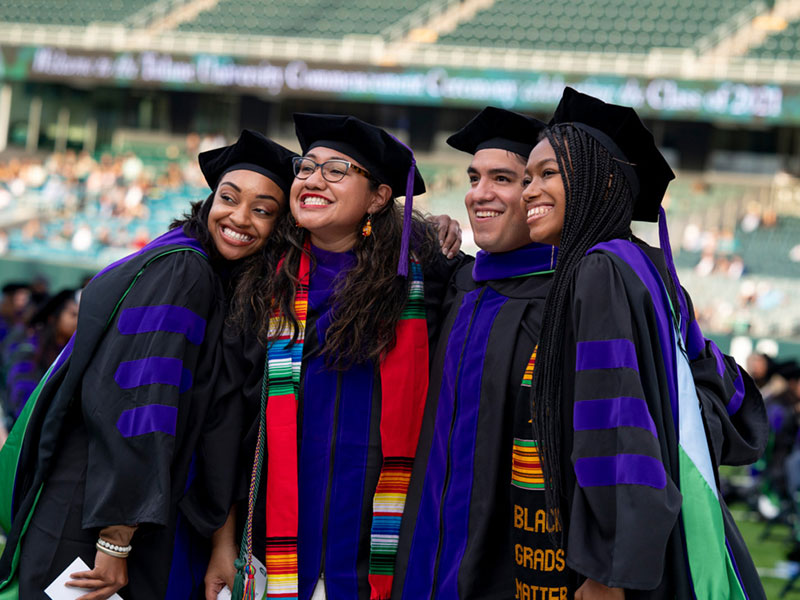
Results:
x,y
366,230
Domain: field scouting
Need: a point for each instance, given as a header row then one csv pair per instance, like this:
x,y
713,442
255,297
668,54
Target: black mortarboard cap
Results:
x,y
14,286
387,159
251,152
52,306
620,131
498,128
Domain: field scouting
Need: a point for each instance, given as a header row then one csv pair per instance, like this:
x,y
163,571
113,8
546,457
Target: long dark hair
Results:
x,y
598,208
367,302
243,278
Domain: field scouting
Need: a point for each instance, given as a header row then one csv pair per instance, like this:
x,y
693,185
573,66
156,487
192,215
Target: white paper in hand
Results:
x,y
224,594
261,583
58,591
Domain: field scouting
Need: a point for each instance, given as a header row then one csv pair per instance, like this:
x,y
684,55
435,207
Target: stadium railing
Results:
x,y
374,50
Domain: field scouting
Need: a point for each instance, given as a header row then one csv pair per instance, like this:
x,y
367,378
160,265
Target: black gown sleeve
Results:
x,y
147,389
218,482
732,406
624,505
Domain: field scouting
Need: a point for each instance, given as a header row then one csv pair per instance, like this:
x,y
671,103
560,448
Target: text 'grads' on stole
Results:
x,y
633,410
477,469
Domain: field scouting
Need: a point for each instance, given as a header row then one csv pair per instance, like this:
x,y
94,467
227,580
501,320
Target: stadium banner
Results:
x,y
435,86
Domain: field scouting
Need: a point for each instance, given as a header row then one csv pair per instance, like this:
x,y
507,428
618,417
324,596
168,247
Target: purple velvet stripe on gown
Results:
x,y
455,431
650,277
420,572
695,345
458,498
172,237
504,265
609,413
148,419
606,354
163,317
621,469
647,272
314,460
351,441
347,502
153,370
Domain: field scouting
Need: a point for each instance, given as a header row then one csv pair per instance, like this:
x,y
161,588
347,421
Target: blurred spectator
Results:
x,y
14,301
39,344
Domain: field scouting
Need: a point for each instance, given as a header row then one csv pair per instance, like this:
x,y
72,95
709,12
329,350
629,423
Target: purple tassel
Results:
x,y
402,266
663,239
405,242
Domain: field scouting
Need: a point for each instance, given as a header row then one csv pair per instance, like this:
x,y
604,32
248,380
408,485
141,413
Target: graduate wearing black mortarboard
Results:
x,y
118,455
457,539
360,285
633,409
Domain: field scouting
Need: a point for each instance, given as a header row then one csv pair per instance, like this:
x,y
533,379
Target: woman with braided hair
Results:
x,y
632,409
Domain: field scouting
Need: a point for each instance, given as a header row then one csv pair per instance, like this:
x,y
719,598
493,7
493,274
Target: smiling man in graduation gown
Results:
x,y
457,539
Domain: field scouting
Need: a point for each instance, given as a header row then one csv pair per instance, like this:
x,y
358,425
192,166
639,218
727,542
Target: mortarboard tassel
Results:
x,y
666,248
402,265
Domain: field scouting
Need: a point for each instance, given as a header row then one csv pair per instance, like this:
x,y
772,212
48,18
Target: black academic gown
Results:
x,y
457,539
127,431
339,440
622,525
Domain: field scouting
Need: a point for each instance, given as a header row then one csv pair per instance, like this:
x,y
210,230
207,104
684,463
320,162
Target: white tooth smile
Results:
x,y
235,235
538,211
315,201
487,213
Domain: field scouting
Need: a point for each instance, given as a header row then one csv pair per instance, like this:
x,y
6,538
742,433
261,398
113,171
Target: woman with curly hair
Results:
x,y
343,328
632,409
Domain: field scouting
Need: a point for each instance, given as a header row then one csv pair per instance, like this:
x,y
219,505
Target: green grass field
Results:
x,y
769,555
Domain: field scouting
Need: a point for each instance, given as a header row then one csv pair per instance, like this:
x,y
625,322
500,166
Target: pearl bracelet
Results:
x,y
113,549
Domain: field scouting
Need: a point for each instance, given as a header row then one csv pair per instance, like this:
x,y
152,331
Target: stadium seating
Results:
x,y
594,25
302,18
68,12
783,45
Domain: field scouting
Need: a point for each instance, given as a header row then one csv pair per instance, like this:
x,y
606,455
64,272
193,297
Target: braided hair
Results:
x,y
598,208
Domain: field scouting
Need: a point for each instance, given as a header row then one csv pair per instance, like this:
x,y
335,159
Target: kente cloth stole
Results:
x,y
404,385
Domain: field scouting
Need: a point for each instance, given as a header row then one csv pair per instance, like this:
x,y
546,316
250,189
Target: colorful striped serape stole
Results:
x,y
284,363
404,386
526,463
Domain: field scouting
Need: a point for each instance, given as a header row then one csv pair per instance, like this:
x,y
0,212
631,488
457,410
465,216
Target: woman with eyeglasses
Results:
x,y
337,407
117,458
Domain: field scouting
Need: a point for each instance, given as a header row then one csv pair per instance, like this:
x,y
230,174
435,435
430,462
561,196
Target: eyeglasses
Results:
x,y
332,170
